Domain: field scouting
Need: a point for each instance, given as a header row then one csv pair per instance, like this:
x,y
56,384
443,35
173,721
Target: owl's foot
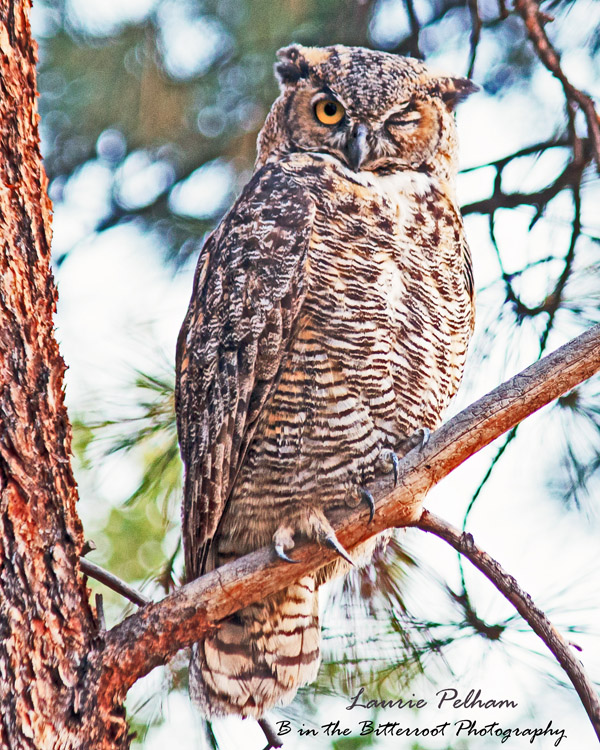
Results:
x,y
322,531
359,495
283,539
418,439
316,526
367,498
390,462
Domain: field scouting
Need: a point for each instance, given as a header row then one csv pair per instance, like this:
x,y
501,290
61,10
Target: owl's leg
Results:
x,y
316,527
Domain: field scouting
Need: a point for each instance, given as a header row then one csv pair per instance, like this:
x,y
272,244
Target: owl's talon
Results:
x,y
322,531
332,541
280,552
388,457
283,539
368,498
418,440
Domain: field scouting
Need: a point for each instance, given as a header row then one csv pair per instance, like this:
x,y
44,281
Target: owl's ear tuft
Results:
x,y
293,65
455,90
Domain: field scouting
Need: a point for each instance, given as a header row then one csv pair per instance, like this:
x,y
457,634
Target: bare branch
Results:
x,y
406,46
475,34
534,148
534,20
155,633
273,739
502,10
539,198
524,605
114,583
415,29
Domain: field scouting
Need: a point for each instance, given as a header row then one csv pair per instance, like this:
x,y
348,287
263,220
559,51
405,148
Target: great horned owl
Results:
x,y
329,321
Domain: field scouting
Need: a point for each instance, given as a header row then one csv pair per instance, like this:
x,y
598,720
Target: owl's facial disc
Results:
x,y
360,137
372,111
368,134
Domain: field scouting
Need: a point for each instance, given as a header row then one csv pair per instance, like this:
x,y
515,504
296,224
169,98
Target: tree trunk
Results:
x,y
47,628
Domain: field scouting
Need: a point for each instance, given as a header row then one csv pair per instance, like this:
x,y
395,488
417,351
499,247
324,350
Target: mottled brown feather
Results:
x,y
246,296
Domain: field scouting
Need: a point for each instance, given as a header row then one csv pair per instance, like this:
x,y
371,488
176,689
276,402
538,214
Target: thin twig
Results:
x,y
494,462
571,176
406,44
502,10
520,309
475,34
88,546
534,148
554,300
524,605
155,633
273,740
100,613
116,584
509,438
536,198
415,29
524,269
534,20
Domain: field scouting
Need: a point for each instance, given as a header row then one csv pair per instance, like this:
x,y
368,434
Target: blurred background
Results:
x,y
150,111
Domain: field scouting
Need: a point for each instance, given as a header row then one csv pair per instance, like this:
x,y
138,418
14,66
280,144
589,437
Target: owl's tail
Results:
x,y
260,656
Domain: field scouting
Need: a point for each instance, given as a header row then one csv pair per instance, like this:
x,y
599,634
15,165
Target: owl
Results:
x,y
329,322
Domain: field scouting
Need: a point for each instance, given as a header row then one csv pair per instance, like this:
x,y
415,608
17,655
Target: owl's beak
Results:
x,y
357,147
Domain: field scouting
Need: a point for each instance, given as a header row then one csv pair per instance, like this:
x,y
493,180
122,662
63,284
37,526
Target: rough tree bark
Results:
x,y
47,628
62,681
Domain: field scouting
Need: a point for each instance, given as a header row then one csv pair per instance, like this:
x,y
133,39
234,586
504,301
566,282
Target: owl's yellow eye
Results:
x,y
329,112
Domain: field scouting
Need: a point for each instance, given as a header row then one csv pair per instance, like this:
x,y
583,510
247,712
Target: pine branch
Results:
x,y
534,20
153,634
536,619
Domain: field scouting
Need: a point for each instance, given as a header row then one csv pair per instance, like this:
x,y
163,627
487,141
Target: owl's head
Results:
x,y
371,110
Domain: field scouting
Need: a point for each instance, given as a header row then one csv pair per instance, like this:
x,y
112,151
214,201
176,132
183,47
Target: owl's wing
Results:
x,y
249,285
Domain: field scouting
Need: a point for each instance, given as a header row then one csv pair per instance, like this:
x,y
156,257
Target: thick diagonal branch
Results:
x,y
524,605
155,633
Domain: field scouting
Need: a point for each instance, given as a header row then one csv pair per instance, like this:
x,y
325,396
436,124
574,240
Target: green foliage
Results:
x,y
354,743
133,559
154,435
139,543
